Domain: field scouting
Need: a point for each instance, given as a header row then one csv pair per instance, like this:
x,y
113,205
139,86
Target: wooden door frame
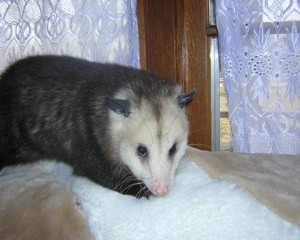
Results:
x,y
174,44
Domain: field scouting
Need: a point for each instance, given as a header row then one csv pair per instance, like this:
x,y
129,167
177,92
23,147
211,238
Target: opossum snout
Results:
x,y
160,189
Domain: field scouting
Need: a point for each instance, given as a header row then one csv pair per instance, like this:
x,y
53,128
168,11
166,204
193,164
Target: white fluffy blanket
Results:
x,y
198,207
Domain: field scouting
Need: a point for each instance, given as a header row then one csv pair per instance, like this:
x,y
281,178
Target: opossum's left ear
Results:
x,y
185,99
119,106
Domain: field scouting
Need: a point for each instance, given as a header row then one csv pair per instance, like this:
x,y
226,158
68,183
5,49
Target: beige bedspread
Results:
x,y
274,180
34,205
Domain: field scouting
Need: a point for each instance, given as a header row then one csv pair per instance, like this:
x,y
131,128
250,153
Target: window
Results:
x,y
221,130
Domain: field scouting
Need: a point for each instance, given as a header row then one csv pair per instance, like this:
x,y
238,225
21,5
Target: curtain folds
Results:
x,y
98,30
260,59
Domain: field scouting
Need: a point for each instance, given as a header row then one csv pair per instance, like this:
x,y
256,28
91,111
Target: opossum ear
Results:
x,y
184,99
119,106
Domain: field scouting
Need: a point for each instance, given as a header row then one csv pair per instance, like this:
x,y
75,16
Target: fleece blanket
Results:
x,y
198,207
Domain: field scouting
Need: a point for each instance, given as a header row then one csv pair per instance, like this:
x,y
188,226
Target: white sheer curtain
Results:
x,y
260,57
98,30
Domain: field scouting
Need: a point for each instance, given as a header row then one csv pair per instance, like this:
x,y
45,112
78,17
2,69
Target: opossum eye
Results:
x,y
142,151
173,150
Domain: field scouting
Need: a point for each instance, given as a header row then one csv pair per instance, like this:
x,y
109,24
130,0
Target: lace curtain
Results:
x,y
260,59
98,30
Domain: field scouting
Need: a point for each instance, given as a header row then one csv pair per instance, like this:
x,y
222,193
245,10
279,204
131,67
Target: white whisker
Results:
x,y
127,179
130,186
144,191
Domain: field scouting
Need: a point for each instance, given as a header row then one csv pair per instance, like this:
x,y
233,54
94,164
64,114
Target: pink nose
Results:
x,y
161,191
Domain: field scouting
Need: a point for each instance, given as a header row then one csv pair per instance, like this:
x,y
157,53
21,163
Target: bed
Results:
x,y
214,196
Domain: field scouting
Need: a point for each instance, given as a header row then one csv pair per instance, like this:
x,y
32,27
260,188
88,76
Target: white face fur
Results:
x,y
151,148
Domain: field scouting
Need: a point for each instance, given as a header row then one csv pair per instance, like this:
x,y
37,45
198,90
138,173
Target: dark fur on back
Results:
x,y
53,108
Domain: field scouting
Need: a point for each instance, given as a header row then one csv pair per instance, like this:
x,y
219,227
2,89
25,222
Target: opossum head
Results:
x,y
149,133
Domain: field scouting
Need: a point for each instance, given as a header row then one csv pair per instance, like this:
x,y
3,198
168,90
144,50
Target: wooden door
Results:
x,y
174,44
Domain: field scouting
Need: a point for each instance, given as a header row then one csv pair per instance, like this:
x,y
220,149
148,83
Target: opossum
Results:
x,y
123,128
